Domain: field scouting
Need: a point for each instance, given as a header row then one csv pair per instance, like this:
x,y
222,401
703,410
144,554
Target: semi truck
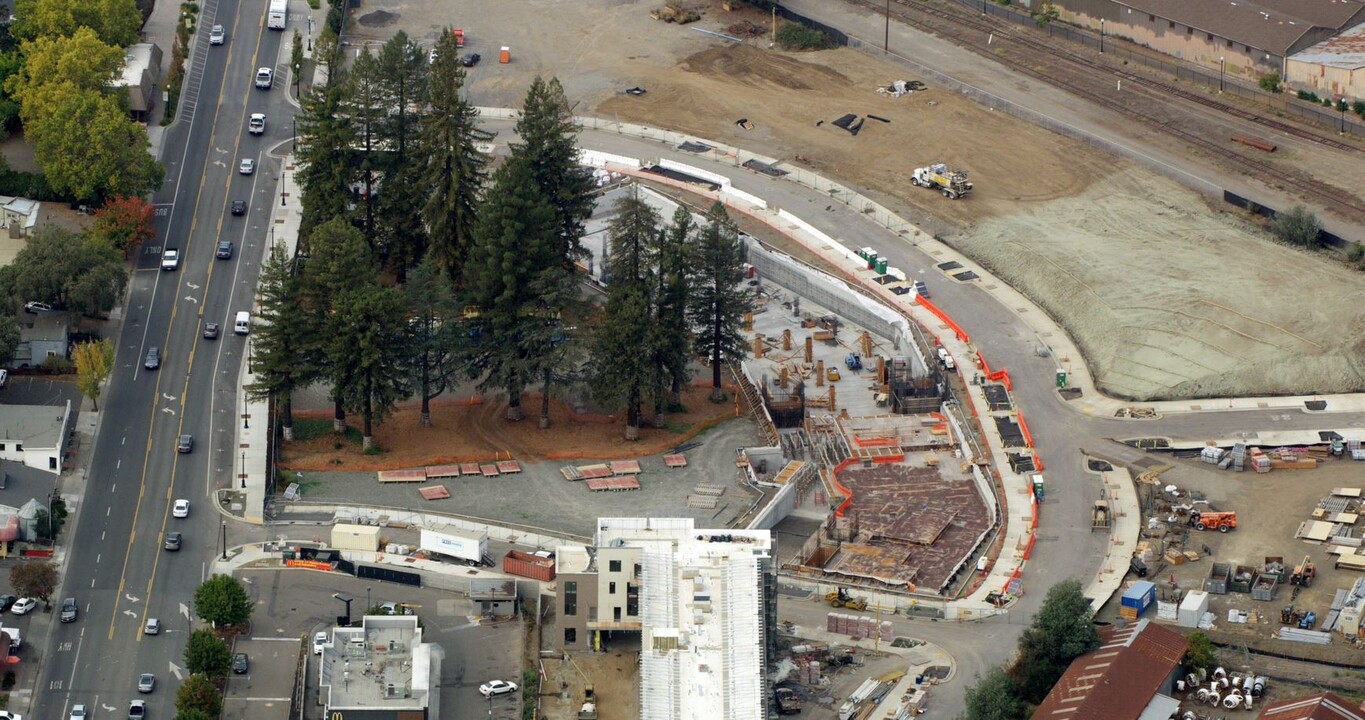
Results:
x,y
279,14
470,548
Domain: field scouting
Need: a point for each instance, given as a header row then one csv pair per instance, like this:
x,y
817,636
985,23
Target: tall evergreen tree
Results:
x,y
720,300
670,340
325,137
367,110
455,169
514,245
281,357
405,89
340,261
547,138
371,349
622,347
437,333
1061,631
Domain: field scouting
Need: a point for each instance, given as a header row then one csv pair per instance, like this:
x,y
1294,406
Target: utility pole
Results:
x,y
886,39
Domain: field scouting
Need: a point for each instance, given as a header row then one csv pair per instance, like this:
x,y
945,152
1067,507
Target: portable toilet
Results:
x,y
1038,487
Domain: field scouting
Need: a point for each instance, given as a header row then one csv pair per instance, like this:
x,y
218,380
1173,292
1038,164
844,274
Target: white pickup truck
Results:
x,y
170,259
16,640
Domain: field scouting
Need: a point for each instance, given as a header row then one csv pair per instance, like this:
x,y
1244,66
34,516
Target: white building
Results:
x,y
700,601
381,671
34,435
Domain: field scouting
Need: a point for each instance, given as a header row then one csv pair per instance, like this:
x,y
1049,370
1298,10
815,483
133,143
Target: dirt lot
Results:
x,y
1065,223
613,677
469,429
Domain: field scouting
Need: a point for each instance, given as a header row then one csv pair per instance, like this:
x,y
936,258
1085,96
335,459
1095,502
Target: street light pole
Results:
x,y
243,474
246,417
1101,36
1222,65
224,524
281,188
368,604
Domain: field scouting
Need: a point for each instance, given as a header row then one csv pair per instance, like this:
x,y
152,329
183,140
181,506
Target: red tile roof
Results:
x,y
1326,706
1116,681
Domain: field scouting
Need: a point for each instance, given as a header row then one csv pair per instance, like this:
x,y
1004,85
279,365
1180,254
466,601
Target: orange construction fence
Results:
x,y
1002,376
957,330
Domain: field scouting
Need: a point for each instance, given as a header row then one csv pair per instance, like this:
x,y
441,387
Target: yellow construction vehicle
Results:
x,y
841,598
952,183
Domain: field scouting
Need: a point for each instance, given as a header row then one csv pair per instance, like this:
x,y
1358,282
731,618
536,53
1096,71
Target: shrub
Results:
x,y
1308,95
57,365
1297,226
1358,108
26,184
795,36
334,20
1270,82
1356,252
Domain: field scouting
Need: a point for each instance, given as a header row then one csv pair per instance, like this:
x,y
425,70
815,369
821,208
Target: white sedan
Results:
x,y
497,687
320,641
24,606
181,509
247,166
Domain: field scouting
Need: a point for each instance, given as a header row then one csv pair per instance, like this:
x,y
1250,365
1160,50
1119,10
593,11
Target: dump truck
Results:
x,y
459,37
1210,520
1099,516
841,598
952,183
788,702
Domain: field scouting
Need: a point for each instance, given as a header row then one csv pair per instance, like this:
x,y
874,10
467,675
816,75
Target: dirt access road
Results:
x,y
1167,296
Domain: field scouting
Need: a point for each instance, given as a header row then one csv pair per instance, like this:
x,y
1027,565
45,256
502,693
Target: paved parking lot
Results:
x,y
263,692
297,603
41,390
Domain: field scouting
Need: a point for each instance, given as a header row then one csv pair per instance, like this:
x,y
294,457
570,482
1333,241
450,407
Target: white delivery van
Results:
x,y
944,358
243,324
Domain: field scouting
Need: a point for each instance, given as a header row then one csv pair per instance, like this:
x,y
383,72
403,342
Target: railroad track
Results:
x,y
967,29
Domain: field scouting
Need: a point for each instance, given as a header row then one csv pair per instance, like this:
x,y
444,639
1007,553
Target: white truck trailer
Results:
x,y
279,14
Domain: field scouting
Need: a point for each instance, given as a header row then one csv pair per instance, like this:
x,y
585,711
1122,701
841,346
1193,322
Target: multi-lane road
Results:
x,y
116,567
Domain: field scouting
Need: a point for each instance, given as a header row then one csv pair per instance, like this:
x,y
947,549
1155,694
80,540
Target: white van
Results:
x,y
944,358
243,324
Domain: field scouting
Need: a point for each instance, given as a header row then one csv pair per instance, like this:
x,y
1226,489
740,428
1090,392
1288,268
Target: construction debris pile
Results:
x,y
901,88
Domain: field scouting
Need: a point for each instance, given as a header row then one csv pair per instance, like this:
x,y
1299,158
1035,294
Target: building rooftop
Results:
x,y
572,559
627,532
1271,25
33,426
137,59
1346,51
1119,680
382,664
494,589
1323,706
45,327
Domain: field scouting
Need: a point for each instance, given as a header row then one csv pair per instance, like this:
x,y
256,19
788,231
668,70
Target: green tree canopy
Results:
x,y
81,60
369,347
1061,631
548,139
992,698
455,170
199,693
9,337
207,653
437,333
78,273
89,149
1200,653
282,358
222,601
116,22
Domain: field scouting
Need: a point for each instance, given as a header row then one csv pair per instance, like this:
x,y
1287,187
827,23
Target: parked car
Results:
x,y
320,641
4,377
69,610
240,663
224,250
265,77
7,715
35,307
146,682
471,60
137,710
184,444
172,542
497,687
23,606
217,35
246,166
211,331
153,359
153,627
7,602
181,508
238,207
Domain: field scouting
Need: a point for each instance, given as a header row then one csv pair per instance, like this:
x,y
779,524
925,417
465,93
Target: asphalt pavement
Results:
x,y
115,565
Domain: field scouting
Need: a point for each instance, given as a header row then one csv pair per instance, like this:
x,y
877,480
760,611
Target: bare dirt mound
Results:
x,y
1170,300
466,430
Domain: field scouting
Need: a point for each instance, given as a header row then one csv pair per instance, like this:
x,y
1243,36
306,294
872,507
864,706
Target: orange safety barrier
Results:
x,y
877,442
848,494
932,308
1038,461
1028,549
1034,523
1023,427
1002,376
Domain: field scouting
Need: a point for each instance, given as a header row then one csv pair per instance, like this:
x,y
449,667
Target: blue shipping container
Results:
x,y
1140,596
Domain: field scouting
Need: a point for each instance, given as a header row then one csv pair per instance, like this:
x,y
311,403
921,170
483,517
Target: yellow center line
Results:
x,y
165,513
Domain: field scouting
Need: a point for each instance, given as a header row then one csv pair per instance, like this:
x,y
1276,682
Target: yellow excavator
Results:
x,y
841,598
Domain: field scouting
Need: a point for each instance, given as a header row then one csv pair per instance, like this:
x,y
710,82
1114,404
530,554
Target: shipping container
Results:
x,y
1192,608
1139,597
516,562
